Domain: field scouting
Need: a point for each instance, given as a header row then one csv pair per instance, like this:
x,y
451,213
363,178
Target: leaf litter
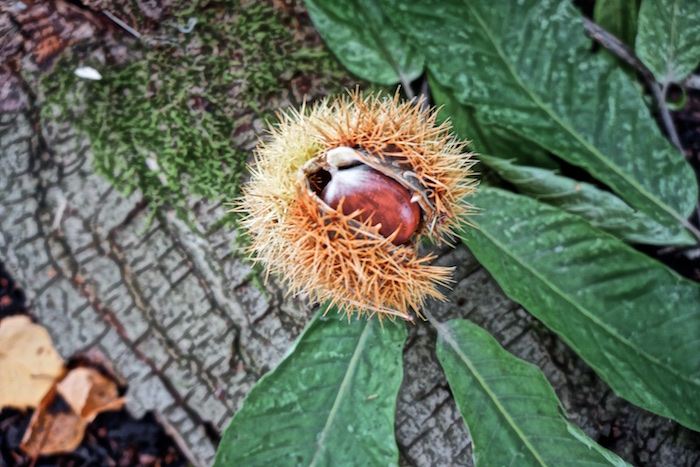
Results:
x,y
59,423
29,364
115,437
33,375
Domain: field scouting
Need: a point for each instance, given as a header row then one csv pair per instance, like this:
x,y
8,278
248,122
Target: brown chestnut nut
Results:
x,y
378,197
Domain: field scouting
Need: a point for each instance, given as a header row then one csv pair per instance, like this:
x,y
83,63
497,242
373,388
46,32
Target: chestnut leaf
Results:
x,y
601,208
512,412
333,396
667,39
633,320
528,67
483,138
618,17
530,173
356,31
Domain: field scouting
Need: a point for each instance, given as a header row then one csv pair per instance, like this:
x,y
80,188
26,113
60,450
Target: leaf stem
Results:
x,y
619,49
429,315
615,46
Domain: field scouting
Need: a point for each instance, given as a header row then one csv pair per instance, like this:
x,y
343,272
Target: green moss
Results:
x,y
165,122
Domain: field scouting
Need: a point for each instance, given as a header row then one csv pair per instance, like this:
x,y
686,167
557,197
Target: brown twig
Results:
x,y
615,46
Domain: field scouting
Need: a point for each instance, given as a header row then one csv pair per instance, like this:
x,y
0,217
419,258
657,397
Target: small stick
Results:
x,y
122,24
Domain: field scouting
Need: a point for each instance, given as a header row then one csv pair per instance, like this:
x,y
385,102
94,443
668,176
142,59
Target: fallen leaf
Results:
x,y
29,364
58,425
54,428
88,392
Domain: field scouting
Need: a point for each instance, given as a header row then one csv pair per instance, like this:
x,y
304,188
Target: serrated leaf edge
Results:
x,y
447,336
638,350
567,128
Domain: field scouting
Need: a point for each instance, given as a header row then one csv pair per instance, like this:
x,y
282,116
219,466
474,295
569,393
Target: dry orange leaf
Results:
x,y
54,428
29,364
58,425
88,392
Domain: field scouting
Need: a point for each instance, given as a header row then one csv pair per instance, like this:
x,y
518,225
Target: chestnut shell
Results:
x,y
379,199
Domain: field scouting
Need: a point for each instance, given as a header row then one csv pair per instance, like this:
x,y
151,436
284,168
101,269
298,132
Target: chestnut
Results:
x,y
379,198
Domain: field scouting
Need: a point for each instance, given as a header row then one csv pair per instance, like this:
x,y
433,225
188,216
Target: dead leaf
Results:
x,y
29,364
89,393
53,429
58,425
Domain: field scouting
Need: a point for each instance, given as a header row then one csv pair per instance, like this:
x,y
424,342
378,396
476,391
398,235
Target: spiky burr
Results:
x,y
341,195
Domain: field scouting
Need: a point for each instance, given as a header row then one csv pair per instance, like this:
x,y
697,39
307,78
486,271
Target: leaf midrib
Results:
x,y
598,155
635,349
670,63
446,335
379,40
343,386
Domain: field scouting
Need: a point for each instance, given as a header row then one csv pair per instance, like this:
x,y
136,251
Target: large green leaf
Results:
x,y
636,322
486,139
667,41
599,207
356,31
527,66
330,401
511,411
602,208
619,17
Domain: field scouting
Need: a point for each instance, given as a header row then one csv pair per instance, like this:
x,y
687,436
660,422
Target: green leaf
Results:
x,y
488,139
601,208
332,398
619,17
526,66
634,321
513,414
667,41
357,33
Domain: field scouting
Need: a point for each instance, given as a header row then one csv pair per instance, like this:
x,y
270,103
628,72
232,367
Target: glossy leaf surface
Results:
x,y
618,17
601,208
667,41
486,139
527,66
356,31
331,399
512,412
634,321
